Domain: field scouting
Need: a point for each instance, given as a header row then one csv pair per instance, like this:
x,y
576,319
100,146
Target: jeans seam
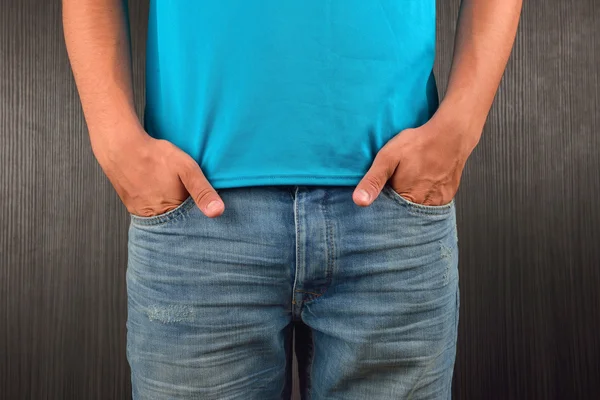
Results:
x,y
296,221
329,243
329,258
307,292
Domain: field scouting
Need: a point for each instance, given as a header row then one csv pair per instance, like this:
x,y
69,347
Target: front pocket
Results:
x,y
416,207
180,210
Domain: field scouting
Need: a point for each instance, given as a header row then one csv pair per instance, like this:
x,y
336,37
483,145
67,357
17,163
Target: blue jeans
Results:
x,y
371,293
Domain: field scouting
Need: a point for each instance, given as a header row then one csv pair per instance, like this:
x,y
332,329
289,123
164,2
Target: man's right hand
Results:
x,y
153,176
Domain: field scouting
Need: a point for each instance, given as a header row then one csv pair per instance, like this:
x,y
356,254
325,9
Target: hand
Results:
x,y
153,176
424,165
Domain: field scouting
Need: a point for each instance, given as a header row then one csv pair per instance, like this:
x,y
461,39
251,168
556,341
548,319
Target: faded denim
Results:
x,y
372,293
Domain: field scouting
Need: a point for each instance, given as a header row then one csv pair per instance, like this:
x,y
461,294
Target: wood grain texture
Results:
x,y
529,221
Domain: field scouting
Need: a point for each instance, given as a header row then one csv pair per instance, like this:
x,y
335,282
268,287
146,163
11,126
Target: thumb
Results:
x,y
374,180
205,196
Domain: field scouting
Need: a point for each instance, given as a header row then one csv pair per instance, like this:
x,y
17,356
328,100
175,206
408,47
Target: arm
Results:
x,y
97,39
484,39
425,164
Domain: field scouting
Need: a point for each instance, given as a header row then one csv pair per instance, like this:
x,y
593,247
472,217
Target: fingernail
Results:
x,y
213,205
364,195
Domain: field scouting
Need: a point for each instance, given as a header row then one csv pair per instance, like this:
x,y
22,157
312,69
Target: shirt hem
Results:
x,y
268,180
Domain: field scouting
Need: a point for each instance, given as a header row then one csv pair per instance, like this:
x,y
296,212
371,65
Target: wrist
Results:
x,y
466,125
119,142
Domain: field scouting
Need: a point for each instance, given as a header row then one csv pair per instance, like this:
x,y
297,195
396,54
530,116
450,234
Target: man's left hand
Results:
x,y
424,165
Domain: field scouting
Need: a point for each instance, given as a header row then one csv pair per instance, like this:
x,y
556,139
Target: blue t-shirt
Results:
x,y
288,92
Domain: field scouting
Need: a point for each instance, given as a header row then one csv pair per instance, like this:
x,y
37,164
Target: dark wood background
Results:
x,y
528,208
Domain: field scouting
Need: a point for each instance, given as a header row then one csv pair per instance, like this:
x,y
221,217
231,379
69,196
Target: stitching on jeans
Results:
x,y
329,239
329,257
306,291
296,219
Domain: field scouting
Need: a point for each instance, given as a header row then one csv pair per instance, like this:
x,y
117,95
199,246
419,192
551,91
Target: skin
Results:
x,y
151,176
423,164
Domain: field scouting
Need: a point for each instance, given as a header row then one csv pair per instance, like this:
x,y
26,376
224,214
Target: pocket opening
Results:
x,y
166,216
422,208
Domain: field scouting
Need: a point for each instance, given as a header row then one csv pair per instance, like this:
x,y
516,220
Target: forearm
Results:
x,y
97,39
485,35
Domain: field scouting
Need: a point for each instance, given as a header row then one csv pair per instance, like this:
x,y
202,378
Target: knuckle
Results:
x,y
374,182
187,167
188,170
203,194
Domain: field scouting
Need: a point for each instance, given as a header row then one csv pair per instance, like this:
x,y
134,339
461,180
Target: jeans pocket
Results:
x,y
416,207
170,215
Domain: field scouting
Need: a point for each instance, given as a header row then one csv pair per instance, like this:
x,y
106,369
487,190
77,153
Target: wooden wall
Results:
x,y
528,208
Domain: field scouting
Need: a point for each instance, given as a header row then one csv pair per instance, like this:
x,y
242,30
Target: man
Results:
x,y
295,170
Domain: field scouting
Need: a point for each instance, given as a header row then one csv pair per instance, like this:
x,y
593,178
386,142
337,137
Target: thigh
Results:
x,y
209,300
386,328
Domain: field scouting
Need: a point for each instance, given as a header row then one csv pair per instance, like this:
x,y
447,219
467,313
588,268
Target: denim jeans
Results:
x,y
371,293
